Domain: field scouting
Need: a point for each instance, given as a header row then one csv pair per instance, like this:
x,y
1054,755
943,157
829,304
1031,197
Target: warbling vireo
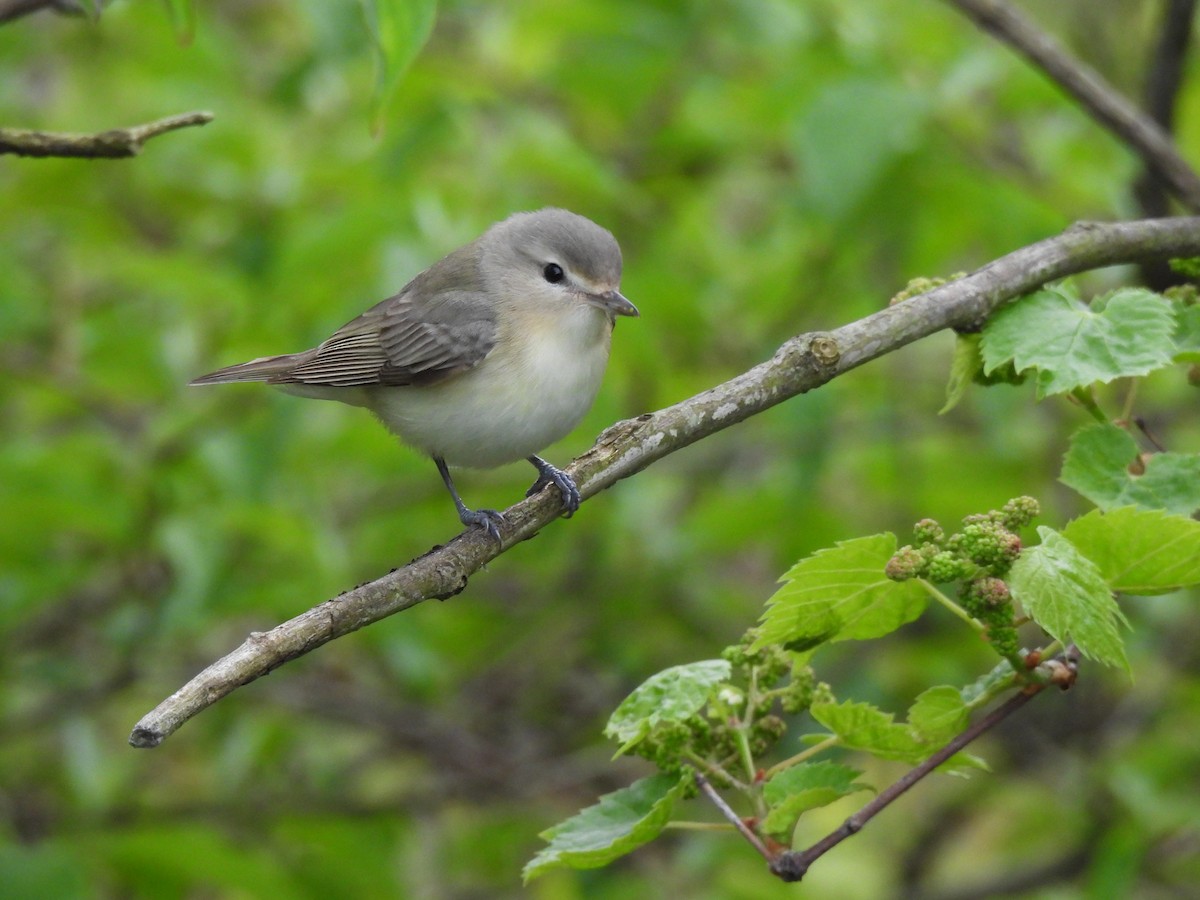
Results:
x,y
486,357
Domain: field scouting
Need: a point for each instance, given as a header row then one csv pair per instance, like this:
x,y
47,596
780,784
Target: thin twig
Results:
x,y
801,364
15,9
1107,105
113,144
734,819
1159,99
792,865
1167,62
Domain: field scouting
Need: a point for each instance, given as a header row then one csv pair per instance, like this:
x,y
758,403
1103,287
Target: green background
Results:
x,y
769,168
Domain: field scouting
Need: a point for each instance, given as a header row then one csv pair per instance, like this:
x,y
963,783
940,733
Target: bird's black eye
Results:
x,y
553,273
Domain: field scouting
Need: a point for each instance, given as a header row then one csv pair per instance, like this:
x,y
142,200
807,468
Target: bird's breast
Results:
x,y
530,391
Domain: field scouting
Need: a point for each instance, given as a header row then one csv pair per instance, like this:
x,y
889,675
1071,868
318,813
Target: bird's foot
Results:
x,y
549,474
488,519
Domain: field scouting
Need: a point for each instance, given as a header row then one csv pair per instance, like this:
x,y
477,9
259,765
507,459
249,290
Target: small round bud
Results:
x,y
946,567
1019,512
928,531
905,564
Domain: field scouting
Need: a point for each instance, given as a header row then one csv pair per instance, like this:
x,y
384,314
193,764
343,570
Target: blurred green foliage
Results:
x,y
769,167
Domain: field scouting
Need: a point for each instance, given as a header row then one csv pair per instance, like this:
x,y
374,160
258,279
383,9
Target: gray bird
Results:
x,y
486,357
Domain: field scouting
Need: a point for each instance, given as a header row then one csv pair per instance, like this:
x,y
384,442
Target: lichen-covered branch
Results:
x,y
802,363
112,144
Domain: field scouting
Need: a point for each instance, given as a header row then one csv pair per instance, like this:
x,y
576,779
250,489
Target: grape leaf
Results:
x,y
618,824
1066,594
861,726
1187,334
966,364
1139,551
671,695
840,594
1097,466
1071,345
938,714
806,786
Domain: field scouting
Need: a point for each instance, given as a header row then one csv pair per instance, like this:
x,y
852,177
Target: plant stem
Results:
x,y
803,755
715,769
951,605
684,825
1084,397
733,818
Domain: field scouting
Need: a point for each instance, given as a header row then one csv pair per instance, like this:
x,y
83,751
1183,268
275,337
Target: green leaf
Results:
x,y
840,594
938,714
618,824
1071,345
967,363
671,695
1139,551
1187,334
183,19
806,786
1067,595
398,30
1097,466
861,726
850,135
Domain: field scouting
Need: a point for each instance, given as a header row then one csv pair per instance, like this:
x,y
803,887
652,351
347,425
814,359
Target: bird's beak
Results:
x,y
614,303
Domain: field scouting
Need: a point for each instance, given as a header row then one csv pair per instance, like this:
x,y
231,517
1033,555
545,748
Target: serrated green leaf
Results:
x,y
806,786
967,363
1066,594
1001,673
398,30
618,824
671,695
938,714
1139,551
1097,466
840,594
861,726
1071,345
1187,333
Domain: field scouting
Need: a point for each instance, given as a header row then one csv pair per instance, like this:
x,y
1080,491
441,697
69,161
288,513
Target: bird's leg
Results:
x,y
487,519
548,474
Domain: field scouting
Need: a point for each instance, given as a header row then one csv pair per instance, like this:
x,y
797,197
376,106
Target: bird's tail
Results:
x,y
267,368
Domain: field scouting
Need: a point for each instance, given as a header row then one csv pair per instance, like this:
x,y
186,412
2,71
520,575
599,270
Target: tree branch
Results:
x,y
1107,105
792,865
15,9
112,144
1160,93
804,362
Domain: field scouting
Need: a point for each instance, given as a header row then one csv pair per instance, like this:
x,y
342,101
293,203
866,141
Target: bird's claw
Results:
x,y
571,497
488,519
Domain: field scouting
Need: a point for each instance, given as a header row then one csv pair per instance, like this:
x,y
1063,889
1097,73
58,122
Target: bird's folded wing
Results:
x,y
403,340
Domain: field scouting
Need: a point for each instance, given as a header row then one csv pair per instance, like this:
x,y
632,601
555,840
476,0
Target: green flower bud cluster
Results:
x,y
978,556
987,598
923,284
986,545
713,733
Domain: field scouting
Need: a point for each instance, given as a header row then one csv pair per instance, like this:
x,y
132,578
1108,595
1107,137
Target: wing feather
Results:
x,y
440,324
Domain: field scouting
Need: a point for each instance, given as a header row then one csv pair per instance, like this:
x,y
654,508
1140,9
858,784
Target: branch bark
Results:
x,y
802,363
113,144
1104,102
11,10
